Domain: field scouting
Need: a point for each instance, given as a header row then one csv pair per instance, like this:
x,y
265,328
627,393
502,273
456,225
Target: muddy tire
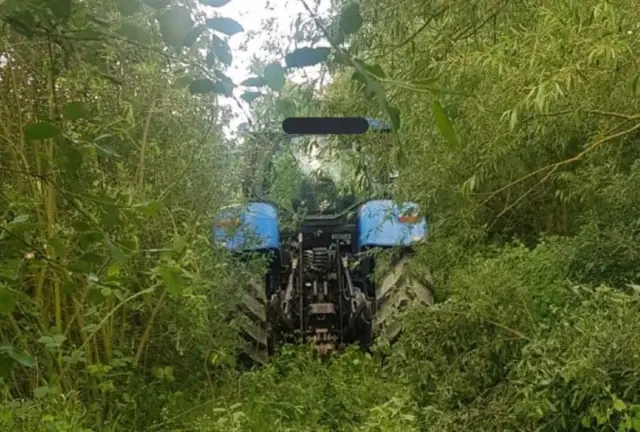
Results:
x,y
396,293
253,325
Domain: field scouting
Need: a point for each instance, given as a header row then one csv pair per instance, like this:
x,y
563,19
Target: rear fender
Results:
x,y
247,227
383,223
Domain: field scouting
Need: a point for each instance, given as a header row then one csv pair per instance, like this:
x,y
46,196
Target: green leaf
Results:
x,y
40,131
58,246
303,57
286,107
444,123
350,19
201,86
224,88
172,278
23,22
116,253
250,96
128,7
375,70
193,36
635,84
21,357
60,8
182,82
10,270
254,82
222,51
75,110
394,115
40,392
274,76
17,355
224,25
149,208
175,26
7,302
215,3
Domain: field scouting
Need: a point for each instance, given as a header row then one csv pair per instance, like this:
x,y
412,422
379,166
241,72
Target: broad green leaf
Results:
x,y
75,110
116,253
175,26
10,269
20,224
7,301
215,3
376,70
303,57
21,357
40,131
350,19
224,88
274,76
40,392
149,208
60,8
224,25
17,355
182,82
222,51
444,123
128,7
23,22
201,86
286,107
58,246
250,96
254,82
172,278
193,36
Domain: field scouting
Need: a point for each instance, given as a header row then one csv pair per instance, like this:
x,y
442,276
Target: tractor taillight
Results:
x,y
408,219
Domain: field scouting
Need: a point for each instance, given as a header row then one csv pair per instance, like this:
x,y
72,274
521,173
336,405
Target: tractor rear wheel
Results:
x,y
398,291
253,324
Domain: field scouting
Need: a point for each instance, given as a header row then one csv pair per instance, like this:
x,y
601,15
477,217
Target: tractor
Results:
x,y
318,288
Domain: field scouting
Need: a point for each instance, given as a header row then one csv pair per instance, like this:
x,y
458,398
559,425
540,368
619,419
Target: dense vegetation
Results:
x,y
516,128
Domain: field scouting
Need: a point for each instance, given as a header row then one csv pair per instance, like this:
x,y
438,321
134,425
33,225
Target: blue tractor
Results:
x,y
318,288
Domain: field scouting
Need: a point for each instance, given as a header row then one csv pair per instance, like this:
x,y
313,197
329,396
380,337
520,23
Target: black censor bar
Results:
x,y
325,125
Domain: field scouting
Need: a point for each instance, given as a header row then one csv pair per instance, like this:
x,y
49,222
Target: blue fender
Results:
x,y
382,223
253,226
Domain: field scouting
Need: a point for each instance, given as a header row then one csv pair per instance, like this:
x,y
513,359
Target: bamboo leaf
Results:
x,y
444,123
